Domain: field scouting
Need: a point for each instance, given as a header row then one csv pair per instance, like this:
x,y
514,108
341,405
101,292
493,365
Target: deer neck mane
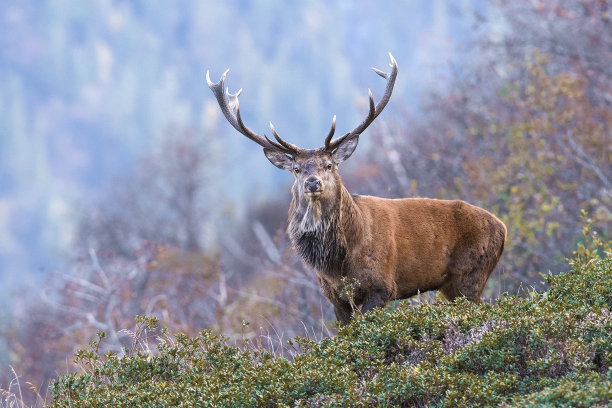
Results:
x,y
319,229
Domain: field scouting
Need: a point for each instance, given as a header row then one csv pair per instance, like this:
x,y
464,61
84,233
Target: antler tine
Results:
x,y
231,104
288,147
331,133
273,143
375,109
283,143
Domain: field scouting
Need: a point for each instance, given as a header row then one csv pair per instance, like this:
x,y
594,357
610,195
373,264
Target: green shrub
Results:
x,y
551,349
588,390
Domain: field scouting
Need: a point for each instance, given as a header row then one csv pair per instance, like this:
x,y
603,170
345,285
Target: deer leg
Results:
x,y
343,312
458,289
342,308
375,298
472,283
474,266
449,291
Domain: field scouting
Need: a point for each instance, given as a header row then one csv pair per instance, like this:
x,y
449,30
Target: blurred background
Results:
x,y
124,191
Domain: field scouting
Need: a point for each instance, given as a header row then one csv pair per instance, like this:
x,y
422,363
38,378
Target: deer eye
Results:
x,y
296,169
329,166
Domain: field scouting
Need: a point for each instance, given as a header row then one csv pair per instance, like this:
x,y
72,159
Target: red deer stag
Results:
x,y
394,248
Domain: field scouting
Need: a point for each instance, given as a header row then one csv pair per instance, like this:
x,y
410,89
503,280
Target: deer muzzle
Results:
x,y
313,187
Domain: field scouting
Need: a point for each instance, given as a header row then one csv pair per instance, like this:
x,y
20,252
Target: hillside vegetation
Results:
x,y
551,348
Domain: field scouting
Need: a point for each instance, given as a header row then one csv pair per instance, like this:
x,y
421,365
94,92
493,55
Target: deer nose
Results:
x,y
312,184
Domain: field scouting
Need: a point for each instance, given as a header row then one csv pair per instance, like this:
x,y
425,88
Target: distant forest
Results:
x,y
90,88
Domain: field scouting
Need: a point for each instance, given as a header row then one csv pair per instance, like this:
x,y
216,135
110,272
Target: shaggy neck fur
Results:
x,y
317,229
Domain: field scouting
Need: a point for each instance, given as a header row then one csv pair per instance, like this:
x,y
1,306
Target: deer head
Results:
x,y
315,170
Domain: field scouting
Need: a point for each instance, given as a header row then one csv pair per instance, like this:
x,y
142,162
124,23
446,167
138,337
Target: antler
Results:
x,y
374,111
231,104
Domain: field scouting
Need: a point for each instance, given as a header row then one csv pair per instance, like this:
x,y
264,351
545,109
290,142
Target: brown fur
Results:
x,y
394,248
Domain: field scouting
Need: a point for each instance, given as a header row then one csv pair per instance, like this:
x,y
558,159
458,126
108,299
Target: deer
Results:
x,y
393,248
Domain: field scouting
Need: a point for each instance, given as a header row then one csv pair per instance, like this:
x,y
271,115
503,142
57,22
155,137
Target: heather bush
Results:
x,y
551,348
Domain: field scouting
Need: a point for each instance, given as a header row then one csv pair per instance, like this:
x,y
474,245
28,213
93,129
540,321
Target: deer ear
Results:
x,y
279,159
346,148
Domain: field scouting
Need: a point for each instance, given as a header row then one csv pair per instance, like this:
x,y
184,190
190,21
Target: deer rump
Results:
x,y
393,248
